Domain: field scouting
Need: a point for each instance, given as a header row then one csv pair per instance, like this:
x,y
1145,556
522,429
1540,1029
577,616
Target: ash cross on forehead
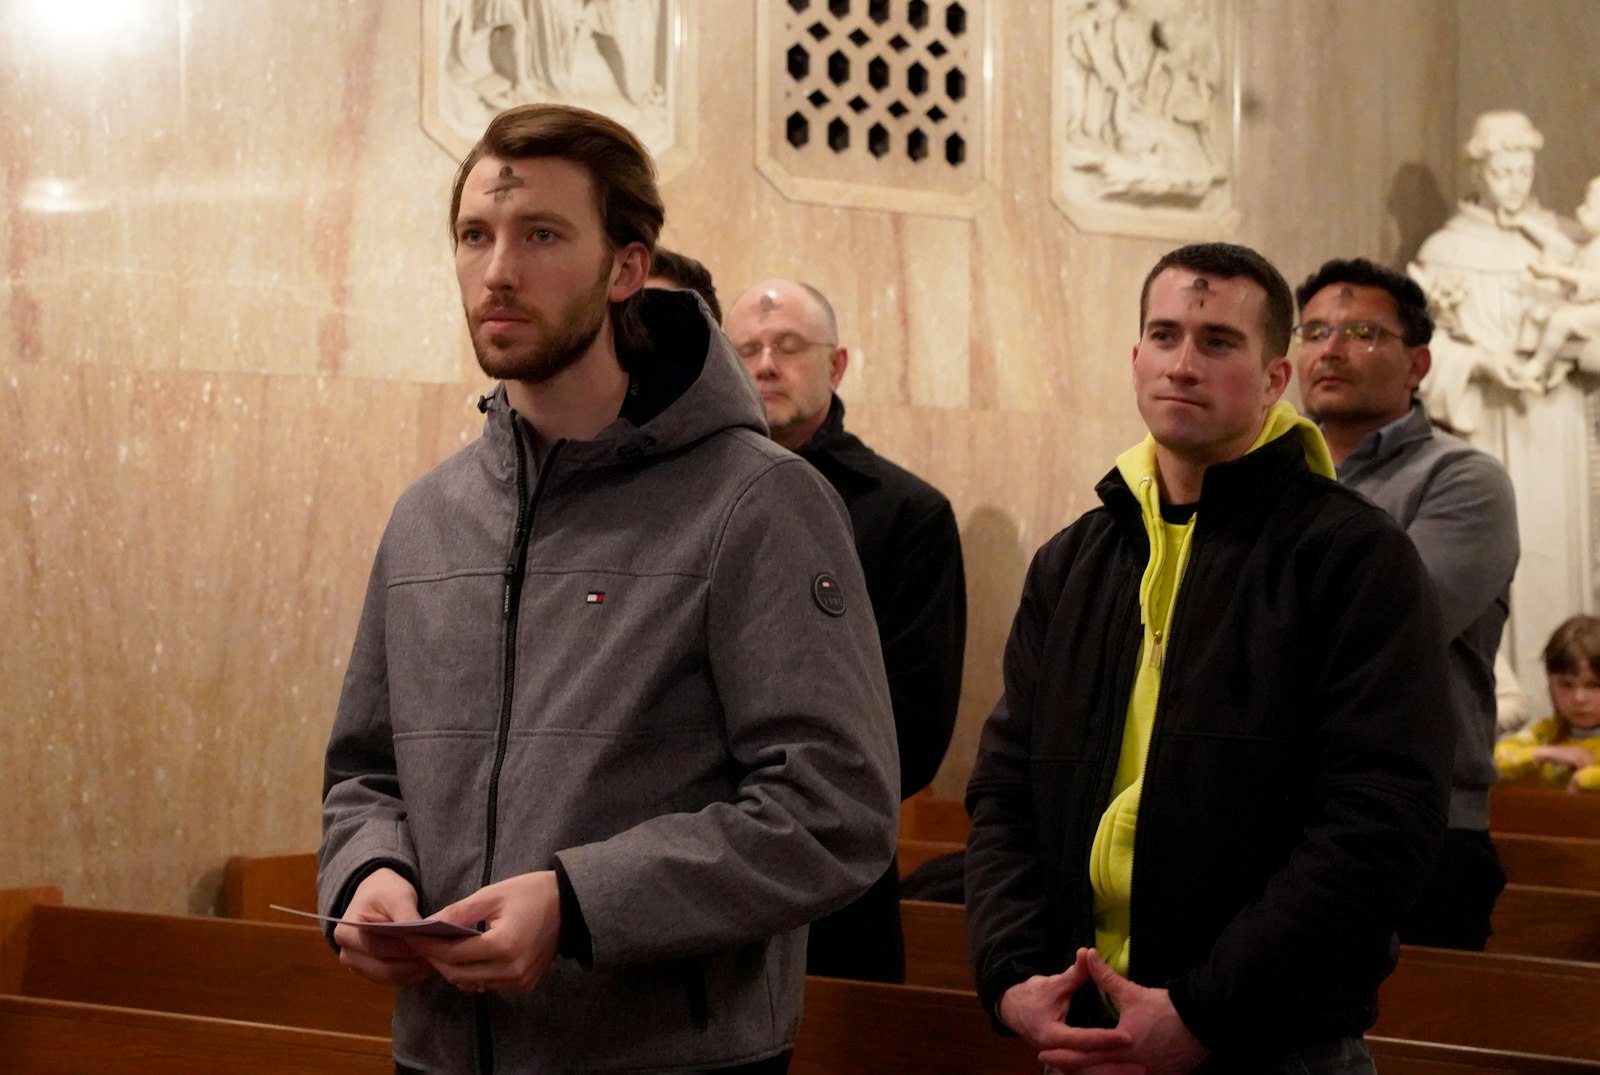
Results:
x,y
768,303
1201,287
1346,292
505,184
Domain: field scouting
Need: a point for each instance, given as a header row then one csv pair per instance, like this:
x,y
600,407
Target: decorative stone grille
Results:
x,y
875,103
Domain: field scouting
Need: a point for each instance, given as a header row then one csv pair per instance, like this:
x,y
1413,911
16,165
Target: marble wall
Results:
x,y
229,337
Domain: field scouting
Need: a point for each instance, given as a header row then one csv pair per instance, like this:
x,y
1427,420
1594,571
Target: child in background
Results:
x,y
1564,749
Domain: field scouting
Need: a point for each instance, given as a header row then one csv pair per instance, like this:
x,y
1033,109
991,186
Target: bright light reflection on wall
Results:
x,y
83,22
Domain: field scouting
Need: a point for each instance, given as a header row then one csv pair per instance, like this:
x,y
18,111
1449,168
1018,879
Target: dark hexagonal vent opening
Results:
x,y
878,140
799,5
955,84
878,11
839,68
878,73
955,19
840,8
799,63
798,130
917,79
917,146
955,149
917,14
838,136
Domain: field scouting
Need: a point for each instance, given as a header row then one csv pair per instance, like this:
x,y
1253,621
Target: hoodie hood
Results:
x,y
690,362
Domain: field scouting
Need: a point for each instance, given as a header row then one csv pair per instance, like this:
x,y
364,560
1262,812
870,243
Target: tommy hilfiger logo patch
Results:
x,y
595,597
829,597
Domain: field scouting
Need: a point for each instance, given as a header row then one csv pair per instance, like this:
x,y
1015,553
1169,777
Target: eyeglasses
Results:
x,y
785,346
1366,333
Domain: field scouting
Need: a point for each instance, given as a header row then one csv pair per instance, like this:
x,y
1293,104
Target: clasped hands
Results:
x,y
523,914
1149,1038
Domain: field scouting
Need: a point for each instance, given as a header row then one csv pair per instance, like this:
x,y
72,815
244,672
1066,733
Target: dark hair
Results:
x,y
619,167
1229,262
1574,646
1416,324
685,271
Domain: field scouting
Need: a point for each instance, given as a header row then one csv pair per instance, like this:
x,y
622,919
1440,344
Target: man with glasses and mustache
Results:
x,y
788,336
1362,351
616,703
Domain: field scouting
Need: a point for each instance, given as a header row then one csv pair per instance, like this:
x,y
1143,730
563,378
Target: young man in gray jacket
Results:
x,y
616,697
1363,350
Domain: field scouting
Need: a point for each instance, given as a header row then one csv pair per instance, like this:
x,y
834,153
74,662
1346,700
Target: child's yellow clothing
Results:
x,y
1513,755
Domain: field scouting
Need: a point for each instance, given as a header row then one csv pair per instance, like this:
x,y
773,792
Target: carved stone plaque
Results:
x,y
1145,116
628,59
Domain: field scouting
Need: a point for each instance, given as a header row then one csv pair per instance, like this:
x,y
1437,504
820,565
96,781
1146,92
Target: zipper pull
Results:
x,y
506,596
1155,650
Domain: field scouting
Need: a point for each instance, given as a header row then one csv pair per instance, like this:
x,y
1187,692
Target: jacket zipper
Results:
x,y
510,600
1179,603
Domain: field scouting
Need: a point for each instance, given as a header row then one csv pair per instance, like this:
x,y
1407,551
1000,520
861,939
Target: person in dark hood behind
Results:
x,y
616,697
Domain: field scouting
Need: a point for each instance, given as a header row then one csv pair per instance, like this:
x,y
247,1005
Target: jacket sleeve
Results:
x,y
363,816
922,624
1466,532
1008,934
805,712
1378,765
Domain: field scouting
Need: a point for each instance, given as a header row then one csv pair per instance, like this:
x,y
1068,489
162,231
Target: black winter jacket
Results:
x,y
1295,786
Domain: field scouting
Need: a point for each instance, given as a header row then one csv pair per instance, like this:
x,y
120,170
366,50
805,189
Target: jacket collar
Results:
x,y
1244,489
834,443
1382,445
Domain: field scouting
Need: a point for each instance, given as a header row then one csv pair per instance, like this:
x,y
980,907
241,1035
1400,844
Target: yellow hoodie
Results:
x,y
1111,855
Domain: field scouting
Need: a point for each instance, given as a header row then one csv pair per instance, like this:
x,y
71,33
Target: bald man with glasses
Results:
x,y
905,532
1362,351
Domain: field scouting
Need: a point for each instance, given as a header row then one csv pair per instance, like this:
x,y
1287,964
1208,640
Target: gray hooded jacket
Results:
x,y
634,663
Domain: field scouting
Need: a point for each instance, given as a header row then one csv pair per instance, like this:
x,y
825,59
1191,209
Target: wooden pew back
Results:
x,y
51,1037
254,971
1552,861
251,882
1556,923
1544,811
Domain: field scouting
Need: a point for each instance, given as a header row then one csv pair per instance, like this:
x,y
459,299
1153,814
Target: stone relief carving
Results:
x,y
1517,305
1144,113
613,56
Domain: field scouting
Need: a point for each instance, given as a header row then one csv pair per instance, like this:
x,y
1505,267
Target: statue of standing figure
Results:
x,y
1497,279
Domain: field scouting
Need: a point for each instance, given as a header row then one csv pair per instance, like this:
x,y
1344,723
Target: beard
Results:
x,y
558,346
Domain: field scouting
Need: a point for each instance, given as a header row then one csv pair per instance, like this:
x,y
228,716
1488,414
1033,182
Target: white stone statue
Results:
x,y
1568,335
1494,276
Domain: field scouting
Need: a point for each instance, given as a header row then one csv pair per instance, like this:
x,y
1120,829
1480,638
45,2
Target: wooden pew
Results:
x,y
254,971
1485,1000
52,1037
251,882
1396,1057
1524,808
1557,923
867,1028
923,817
1553,861
1520,1003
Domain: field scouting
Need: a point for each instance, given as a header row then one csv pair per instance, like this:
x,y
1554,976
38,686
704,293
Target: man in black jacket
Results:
x,y
910,550
1216,777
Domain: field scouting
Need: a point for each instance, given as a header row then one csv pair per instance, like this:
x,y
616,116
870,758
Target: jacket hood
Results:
x,y
689,362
